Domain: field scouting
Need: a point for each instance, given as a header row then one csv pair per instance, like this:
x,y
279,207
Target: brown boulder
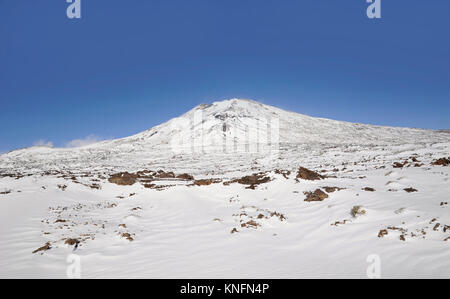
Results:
x,y
253,180
306,174
123,179
441,162
185,176
410,190
317,195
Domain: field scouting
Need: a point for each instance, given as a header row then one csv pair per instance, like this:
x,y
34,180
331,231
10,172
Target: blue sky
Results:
x,y
126,66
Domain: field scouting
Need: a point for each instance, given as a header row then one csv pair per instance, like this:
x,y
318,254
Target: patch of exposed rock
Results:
x,y
254,180
5,192
146,176
251,180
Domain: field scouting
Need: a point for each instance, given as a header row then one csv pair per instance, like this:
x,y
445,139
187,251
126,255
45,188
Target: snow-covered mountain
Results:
x,y
234,189
232,130
237,117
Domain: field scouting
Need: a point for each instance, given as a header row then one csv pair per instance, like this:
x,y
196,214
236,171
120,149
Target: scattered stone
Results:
x,y
254,180
127,236
146,174
340,222
397,229
72,242
62,187
5,192
317,195
436,227
94,186
279,215
400,211
164,175
369,189
400,165
234,230
284,173
382,233
46,247
332,189
414,159
410,190
402,238
250,223
123,225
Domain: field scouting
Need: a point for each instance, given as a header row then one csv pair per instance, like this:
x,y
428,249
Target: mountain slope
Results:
x,y
235,117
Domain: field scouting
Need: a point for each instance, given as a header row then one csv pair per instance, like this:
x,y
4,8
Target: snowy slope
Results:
x,y
295,128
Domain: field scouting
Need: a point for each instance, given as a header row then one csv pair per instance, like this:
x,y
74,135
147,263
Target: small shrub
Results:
x,y
357,211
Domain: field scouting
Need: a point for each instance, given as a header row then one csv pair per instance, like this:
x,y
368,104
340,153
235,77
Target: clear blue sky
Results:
x,y
129,65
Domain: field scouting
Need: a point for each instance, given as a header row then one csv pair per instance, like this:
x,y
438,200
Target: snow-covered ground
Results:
x,y
175,228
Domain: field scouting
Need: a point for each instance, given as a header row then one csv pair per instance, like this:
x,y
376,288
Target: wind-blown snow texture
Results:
x,y
183,230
